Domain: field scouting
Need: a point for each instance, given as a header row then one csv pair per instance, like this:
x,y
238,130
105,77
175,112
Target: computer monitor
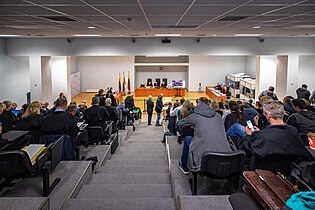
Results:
x,y
178,83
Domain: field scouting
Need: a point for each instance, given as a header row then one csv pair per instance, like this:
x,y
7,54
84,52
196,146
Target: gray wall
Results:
x,y
307,72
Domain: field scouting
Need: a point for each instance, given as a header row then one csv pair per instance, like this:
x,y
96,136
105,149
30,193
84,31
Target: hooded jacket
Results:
x,y
303,93
209,134
304,121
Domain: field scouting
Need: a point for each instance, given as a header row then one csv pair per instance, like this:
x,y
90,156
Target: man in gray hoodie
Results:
x,y
209,135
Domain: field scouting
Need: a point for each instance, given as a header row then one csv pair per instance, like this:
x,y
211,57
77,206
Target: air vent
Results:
x,y
134,35
58,18
175,26
33,27
232,18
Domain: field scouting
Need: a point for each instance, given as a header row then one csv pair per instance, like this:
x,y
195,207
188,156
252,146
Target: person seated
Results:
x,y
163,85
111,110
101,95
6,122
8,109
73,110
31,120
168,110
218,87
44,109
62,95
236,116
277,138
112,98
60,121
209,135
303,92
288,107
123,109
303,120
96,115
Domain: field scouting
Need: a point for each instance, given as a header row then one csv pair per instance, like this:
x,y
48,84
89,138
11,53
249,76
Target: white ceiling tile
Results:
x,y
209,10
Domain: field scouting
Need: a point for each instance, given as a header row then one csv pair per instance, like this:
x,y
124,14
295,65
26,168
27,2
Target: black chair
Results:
x,y
219,165
240,201
149,82
158,82
16,164
275,163
97,134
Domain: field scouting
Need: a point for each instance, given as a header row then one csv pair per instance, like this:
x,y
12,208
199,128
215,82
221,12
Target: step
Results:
x,y
130,152
138,157
143,147
121,204
144,142
125,191
130,179
133,170
159,162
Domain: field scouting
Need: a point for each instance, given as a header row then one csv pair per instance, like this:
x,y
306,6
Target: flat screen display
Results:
x,y
178,83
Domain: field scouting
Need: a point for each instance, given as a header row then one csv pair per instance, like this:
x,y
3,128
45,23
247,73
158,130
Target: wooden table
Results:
x,y
215,94
145,92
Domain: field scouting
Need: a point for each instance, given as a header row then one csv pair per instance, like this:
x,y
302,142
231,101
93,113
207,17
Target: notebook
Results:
x,y
33,150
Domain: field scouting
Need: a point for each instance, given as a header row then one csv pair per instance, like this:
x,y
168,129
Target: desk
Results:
x,y
13,135
145,92
215,94
311,151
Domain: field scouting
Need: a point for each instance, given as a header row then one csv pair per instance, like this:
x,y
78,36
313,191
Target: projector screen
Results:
x,y
178,83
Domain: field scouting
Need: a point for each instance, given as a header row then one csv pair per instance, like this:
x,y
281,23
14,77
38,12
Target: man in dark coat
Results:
x,y
302,92
158,109
150,106
101,96
96,115
130,102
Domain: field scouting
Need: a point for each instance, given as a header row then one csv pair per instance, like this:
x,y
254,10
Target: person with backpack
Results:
x,y
270,93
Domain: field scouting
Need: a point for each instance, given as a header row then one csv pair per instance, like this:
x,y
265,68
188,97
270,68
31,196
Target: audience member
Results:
x,y
121,108
101,96
187,109
168,110
73,110
62,95
150,106
31,120
235,116
96,115
158,109
60,121
172,120
175,112
7,112
111,110
5,121
287,104
262,122
112,98
277,138
303,120
215,106
302,92
269,92
44,109
312,98
130,102
209,135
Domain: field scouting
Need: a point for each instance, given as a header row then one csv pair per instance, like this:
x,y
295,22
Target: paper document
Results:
x,y
33,150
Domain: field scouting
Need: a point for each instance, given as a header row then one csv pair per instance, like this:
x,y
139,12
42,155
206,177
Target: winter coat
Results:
x,y
304,121
303,93
209,134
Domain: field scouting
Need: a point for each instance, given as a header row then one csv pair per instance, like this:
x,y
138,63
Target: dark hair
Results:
x,y
304,86
271,88
234,107
182,100
250,101
299,103
221,105
95,100
258,104
100,91
61,102
204,100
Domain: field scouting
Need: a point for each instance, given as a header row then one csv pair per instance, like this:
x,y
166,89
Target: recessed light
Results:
x,y
9,35
167,35
247,34
91,27
86,35
214,35
256,27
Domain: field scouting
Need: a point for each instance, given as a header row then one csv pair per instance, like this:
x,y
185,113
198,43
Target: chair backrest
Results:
x,y
274,163
158,81
56,152
96,134
222,164
14,163
149,80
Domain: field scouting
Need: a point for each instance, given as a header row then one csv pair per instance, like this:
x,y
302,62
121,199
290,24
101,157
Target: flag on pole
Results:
x,y
128,81
119,83
124,82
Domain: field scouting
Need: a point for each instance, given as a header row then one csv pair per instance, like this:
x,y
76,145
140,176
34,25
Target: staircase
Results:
x,y
136,177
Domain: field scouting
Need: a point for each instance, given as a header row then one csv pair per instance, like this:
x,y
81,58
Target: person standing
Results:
x,y
302,92
150,106
270,93
158,109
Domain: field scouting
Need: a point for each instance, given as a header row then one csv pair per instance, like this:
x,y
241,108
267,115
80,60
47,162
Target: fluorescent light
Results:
x,y
247,34
8,35
152,56
91,27
256,27
167,35
86,35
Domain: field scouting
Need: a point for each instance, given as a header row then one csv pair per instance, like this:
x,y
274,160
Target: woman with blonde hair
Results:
x,y
31,120
185,111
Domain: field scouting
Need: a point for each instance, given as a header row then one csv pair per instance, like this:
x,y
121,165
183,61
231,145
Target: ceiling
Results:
x,y
145,18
